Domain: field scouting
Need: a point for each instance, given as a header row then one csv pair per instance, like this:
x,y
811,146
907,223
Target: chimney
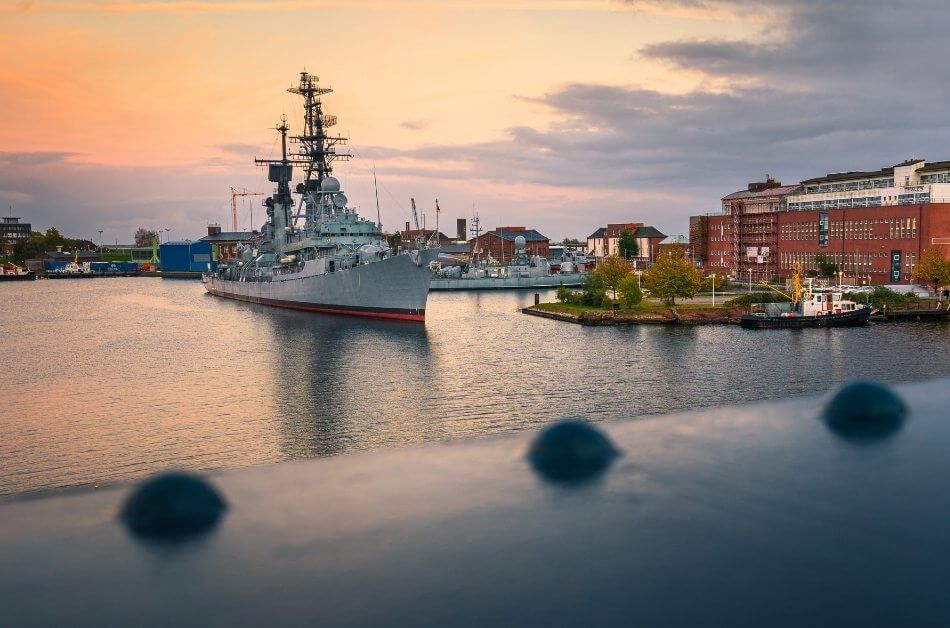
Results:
x,y
461,229
407,226
214,229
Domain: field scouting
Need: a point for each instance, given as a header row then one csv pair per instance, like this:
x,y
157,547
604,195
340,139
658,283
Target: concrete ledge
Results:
x,y
754,516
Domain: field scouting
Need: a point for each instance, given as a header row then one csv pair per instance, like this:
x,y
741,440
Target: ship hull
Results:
x,y
845,319
395,288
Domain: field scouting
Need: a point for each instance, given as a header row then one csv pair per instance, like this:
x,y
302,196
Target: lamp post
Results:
x,y
100,244
750,280
714,288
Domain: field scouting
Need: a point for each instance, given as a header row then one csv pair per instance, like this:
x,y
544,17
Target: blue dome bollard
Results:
x,y
865,411
172,506
571,451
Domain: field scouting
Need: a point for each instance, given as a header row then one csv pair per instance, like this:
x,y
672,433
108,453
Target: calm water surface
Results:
x,y
111,379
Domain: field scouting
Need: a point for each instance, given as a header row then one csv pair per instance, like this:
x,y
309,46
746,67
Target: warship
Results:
x,y
315,252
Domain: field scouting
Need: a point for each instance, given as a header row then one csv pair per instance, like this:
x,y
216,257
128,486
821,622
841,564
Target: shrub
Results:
x,y
630,293
594,295
884,296
566,295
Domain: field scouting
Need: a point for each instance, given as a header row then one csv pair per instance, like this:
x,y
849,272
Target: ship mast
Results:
x,y
316,150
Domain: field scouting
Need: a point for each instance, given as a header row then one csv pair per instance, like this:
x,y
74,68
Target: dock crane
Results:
x,y
235,192
796,285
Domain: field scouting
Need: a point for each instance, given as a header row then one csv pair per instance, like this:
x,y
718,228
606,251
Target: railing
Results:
x,y
809,512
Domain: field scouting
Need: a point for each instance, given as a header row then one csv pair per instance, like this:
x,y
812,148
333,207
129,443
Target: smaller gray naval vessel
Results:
x,y
317,253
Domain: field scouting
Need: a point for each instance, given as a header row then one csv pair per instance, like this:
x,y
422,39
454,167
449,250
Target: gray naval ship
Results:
x,y
316,253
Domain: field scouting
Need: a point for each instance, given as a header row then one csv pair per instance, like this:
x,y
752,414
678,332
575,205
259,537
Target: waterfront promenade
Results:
x,y
769,514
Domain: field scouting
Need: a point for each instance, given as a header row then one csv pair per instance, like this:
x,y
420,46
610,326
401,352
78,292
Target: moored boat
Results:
x,y
12,272
808,307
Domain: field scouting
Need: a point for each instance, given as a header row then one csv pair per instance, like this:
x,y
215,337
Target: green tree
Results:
x,y
673,275
628,245
594,293
826,268
612,270
38,243
933,269
144,237
630,293
722,281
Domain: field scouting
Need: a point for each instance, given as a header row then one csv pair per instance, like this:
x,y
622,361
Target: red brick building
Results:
x,y
409,238
872,225
500,243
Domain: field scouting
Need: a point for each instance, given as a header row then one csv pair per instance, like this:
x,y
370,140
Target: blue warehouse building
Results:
x,y
185,256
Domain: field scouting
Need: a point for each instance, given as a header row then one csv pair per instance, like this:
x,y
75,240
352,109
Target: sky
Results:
x,y
561,115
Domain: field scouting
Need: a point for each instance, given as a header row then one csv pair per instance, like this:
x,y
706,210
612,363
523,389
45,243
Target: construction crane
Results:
x,y
234,194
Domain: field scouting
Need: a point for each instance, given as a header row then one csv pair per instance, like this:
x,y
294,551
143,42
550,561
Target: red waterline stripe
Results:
x,y
416,318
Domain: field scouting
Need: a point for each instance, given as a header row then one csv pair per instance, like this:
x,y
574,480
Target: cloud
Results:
x,y
818,87
414,125
20,159
821,87
238,148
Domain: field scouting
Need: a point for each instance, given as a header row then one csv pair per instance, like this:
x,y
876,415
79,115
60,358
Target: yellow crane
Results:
x,y
796,286
235,193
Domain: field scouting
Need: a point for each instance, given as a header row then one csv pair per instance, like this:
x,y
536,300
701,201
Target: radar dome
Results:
x,y
519,242
330,184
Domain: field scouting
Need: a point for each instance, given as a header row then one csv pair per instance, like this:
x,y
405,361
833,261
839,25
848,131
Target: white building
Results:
x,y
913,182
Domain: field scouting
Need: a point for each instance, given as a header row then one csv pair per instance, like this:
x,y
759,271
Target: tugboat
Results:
x,y
318,254
808,307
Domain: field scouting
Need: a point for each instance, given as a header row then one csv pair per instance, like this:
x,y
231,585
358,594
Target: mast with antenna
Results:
x,y
379,220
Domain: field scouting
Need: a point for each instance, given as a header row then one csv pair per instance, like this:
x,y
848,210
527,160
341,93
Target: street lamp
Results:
x,y
750,280
714,288
100,244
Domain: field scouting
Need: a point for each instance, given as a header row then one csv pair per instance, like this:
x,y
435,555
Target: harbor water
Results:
x,y
113,379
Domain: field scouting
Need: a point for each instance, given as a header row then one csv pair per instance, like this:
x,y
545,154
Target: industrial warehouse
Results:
x,y
872,225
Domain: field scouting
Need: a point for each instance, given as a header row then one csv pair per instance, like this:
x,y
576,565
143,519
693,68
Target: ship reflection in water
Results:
x,y
346,383
111,381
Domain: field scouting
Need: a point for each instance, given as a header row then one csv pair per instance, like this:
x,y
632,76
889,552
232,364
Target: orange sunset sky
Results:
x,y
556,114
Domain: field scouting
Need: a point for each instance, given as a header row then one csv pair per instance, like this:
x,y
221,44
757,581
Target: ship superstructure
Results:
x,y
315,252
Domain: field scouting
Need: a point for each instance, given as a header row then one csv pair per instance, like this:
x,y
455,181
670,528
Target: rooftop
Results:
x,y
780,190
229,236
530,235
649,232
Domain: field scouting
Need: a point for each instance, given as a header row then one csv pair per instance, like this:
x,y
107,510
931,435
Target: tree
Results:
x,y
933,270
612,270
628,245
673,275
145,237
38,243
630,293
722,281
826,268
594,293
